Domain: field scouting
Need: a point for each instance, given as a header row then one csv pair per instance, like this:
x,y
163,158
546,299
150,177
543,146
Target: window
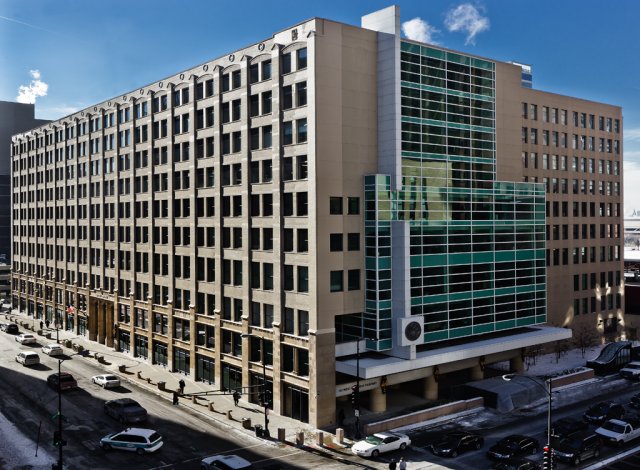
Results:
x,y
353,206
301,94
353,242
301,126
335,242
336,281
302,58
335,205
353,279
286,63
287,133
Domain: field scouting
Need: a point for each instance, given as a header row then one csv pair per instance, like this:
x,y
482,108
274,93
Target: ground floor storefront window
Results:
x,y
296,403
181,360
231,377
205,369
141,347
160,354
124,341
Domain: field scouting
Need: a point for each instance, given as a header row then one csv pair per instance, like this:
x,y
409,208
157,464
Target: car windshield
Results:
x,y
569,443
66,378
633,366
375,440
129,406
600,408
110,377
615,427
154,437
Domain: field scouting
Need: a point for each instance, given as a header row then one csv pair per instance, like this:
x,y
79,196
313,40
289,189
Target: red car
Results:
x,y
65,379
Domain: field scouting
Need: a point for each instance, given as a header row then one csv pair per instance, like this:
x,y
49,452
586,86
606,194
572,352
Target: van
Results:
x,y
28,358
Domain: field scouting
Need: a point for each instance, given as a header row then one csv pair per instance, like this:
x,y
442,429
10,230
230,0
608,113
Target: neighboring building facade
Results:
x,y
328,191
14,118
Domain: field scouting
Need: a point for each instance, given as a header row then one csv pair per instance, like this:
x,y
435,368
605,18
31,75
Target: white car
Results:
x,y
52,349
136,440
26,338
106,380
380,442
231,462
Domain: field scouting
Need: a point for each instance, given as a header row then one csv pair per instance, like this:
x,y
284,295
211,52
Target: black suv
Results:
x,y
603,411
125,410
577,448
566,427
12,329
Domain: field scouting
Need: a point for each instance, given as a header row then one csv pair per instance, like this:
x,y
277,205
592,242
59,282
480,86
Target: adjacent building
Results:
x,y
14,118
335,202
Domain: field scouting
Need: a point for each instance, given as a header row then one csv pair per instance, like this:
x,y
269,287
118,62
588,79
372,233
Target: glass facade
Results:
x,y
476,246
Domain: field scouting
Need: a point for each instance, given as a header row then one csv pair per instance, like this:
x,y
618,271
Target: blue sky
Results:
x,y
88,51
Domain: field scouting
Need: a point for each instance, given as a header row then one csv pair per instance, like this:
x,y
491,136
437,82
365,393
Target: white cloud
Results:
x,y
29,93
419,30
468,19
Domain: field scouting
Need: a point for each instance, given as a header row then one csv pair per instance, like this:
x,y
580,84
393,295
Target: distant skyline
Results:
x,y
68,55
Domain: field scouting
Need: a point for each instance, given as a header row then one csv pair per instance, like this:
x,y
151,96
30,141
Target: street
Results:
x,y
28,403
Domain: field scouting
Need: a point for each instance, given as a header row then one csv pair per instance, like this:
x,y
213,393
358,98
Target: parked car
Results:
x,y
513,446
225,462
455,443
619,432
106,380
12,329
53,349
26,338
517,464
125,410
631,371
603,411
28,358
635,401
577,448
136,440
565,427
65,379
381,442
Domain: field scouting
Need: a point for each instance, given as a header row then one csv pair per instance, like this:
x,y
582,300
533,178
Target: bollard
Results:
x,y
340,435
282,435
161,385
194,399
139,375
320,438
300,438
229,415
211,408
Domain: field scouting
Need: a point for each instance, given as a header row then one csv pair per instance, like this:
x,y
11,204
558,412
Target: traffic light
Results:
x,y
546,458
552,459
57,439
354,395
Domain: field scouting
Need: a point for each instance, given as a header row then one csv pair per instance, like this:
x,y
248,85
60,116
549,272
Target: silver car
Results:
x,y
106,380
53,350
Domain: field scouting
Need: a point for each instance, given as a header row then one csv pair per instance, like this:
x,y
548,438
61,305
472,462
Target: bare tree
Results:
x,y
560,348
584,337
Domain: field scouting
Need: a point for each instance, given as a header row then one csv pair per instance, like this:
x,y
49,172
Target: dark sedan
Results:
x,y
566,427
513,446
603,411
125,410
635,401
455,443
517,464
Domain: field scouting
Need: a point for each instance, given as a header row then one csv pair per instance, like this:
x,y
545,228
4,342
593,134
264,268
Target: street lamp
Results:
x,y
357,389
57,436
547,389
264,382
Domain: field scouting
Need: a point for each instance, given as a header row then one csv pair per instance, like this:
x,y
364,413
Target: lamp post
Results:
x,y
547,389
57,438
357,403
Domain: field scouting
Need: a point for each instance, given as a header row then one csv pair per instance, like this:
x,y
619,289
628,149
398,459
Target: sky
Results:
x,y
66,55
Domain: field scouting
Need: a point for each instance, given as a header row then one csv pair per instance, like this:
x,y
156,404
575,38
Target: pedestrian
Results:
x,y
236,398
403,464
341,417
175,398
47,323
182,385
41,325
392,464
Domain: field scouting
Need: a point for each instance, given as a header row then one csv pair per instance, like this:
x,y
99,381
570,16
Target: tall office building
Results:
x,y
14,118
334,202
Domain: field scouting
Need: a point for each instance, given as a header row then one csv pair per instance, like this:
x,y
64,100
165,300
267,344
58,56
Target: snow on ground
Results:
x,y
17,452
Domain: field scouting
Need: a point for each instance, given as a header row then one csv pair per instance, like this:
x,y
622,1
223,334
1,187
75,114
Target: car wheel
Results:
x,y
534,450
93,380
576,461
106,446
104,385
140,451
375,453
454,454
403,446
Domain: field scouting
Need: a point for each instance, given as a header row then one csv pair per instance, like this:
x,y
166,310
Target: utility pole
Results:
x,y
357,411
57,436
